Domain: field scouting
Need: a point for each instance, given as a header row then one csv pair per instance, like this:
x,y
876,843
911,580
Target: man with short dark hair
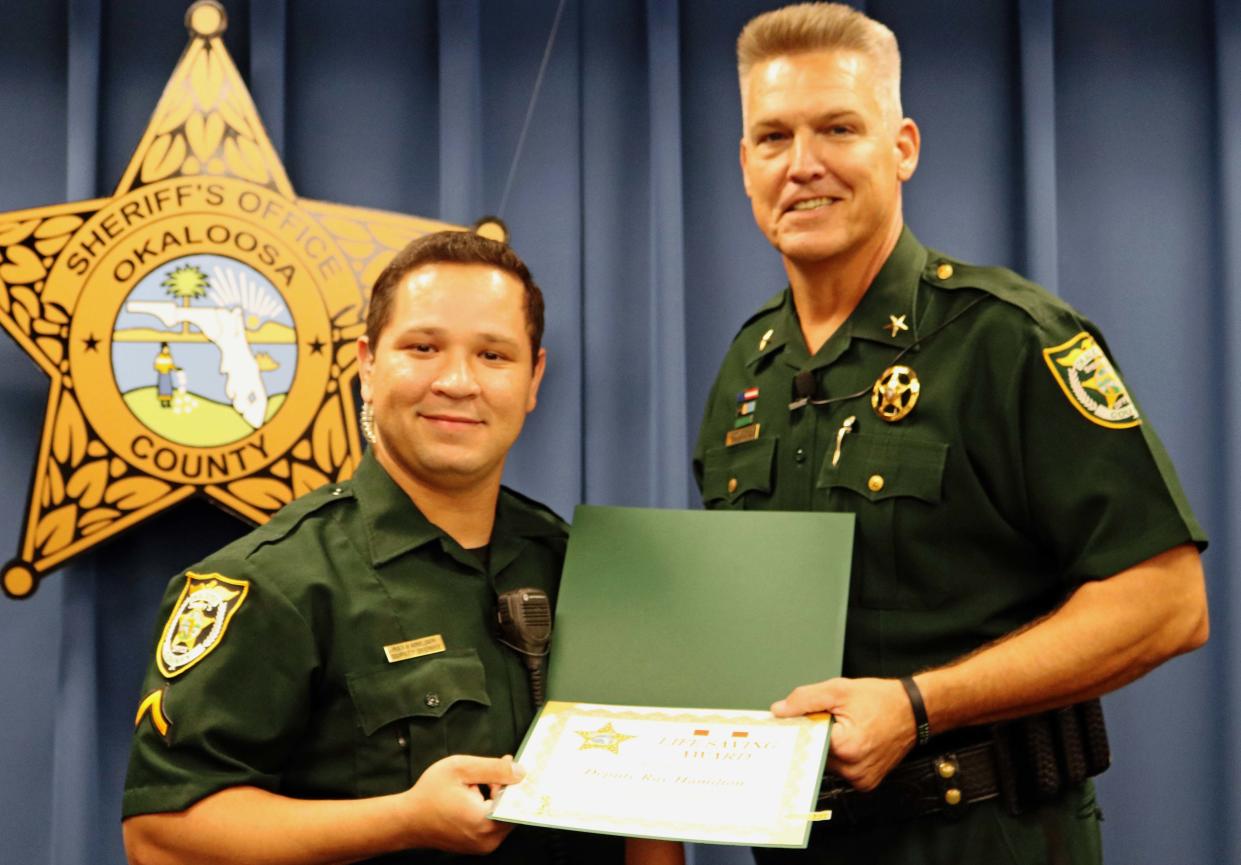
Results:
x,y
319,683
1022,544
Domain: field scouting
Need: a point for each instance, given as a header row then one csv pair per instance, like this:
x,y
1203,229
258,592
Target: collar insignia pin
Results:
x,y
895,325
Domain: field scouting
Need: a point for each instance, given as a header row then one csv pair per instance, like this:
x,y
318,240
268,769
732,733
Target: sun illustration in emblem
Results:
x,y
606,738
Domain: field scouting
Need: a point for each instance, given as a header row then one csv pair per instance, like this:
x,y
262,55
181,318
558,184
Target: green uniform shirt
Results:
x,y
1022,470
272,670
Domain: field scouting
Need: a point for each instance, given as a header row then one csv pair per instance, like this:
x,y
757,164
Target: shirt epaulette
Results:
x,y
1001,283
285,520
532,517
756,334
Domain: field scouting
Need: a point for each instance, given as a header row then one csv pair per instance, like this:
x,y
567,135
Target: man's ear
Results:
x,y
741,156
540,366
909,144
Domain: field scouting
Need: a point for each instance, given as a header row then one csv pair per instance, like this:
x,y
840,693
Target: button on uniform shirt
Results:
x,y
1023,469
271,668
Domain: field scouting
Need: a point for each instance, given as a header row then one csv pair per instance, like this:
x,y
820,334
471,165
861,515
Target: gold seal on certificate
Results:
x,y
713,776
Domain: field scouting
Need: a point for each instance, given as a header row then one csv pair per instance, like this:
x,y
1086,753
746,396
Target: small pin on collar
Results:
x,y
896,323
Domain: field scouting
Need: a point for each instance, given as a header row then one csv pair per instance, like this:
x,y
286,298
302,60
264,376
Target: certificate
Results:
x,y
714,776
724,611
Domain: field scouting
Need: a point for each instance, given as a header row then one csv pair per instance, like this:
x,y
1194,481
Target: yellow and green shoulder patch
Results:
x,y
1091,383
198,621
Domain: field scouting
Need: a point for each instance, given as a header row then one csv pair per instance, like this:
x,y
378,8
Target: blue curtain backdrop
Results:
x,y
1092,145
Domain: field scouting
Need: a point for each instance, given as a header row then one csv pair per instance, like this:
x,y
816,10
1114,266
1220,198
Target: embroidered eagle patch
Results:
x,y
1091,383
198,620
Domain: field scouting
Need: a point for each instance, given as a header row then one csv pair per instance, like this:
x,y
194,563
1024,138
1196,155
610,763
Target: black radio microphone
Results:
x,y
805,385
525,620
807,389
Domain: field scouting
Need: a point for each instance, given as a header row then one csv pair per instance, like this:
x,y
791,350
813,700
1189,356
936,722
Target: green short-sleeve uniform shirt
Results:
x,y
272,666
1022,468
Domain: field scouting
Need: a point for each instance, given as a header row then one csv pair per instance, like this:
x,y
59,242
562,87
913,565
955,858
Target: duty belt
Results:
x,y
946,782
1024,763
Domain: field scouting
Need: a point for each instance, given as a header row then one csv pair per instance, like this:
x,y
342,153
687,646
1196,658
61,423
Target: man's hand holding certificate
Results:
x,y
687,609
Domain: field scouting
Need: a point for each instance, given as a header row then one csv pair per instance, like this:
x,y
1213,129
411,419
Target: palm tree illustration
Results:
x,y
186,282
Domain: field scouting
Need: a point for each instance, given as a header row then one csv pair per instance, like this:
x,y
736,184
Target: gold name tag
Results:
x,y
414,648
745,434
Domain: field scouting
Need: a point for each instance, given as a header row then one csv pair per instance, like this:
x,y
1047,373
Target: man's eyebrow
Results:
x,y
765,121
831,114
432,331
499,339
421,330
838,113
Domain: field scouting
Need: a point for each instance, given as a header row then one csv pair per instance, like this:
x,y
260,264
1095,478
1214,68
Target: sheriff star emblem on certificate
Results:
x,y
197,326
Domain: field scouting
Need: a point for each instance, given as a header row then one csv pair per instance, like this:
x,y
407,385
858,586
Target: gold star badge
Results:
x,y
198,326
895,393
895,325
606,738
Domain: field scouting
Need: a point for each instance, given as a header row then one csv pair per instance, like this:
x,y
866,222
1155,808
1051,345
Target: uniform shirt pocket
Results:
x,y
414,712
733,476
893,484
879,467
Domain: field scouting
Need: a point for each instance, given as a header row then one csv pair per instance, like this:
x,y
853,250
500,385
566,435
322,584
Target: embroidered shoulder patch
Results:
x,y
198,620
1091,383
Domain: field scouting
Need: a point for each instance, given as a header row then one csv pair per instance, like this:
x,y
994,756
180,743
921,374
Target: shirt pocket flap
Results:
x,y
883,466
731,472
418,688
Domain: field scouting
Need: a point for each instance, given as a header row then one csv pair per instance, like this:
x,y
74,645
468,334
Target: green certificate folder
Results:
x,y
699,609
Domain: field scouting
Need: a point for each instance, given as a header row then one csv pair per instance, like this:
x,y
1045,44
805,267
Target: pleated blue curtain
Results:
x,y
1138,181
1091,145
1037,75
30,637
1222,677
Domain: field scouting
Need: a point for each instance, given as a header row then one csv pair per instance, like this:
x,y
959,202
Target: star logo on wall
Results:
x,y
198,326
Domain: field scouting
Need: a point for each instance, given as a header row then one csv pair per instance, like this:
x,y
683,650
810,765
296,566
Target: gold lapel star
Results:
x,y
198,326
895,325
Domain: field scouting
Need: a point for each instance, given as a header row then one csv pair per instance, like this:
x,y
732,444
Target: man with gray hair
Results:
x,y
1022,544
